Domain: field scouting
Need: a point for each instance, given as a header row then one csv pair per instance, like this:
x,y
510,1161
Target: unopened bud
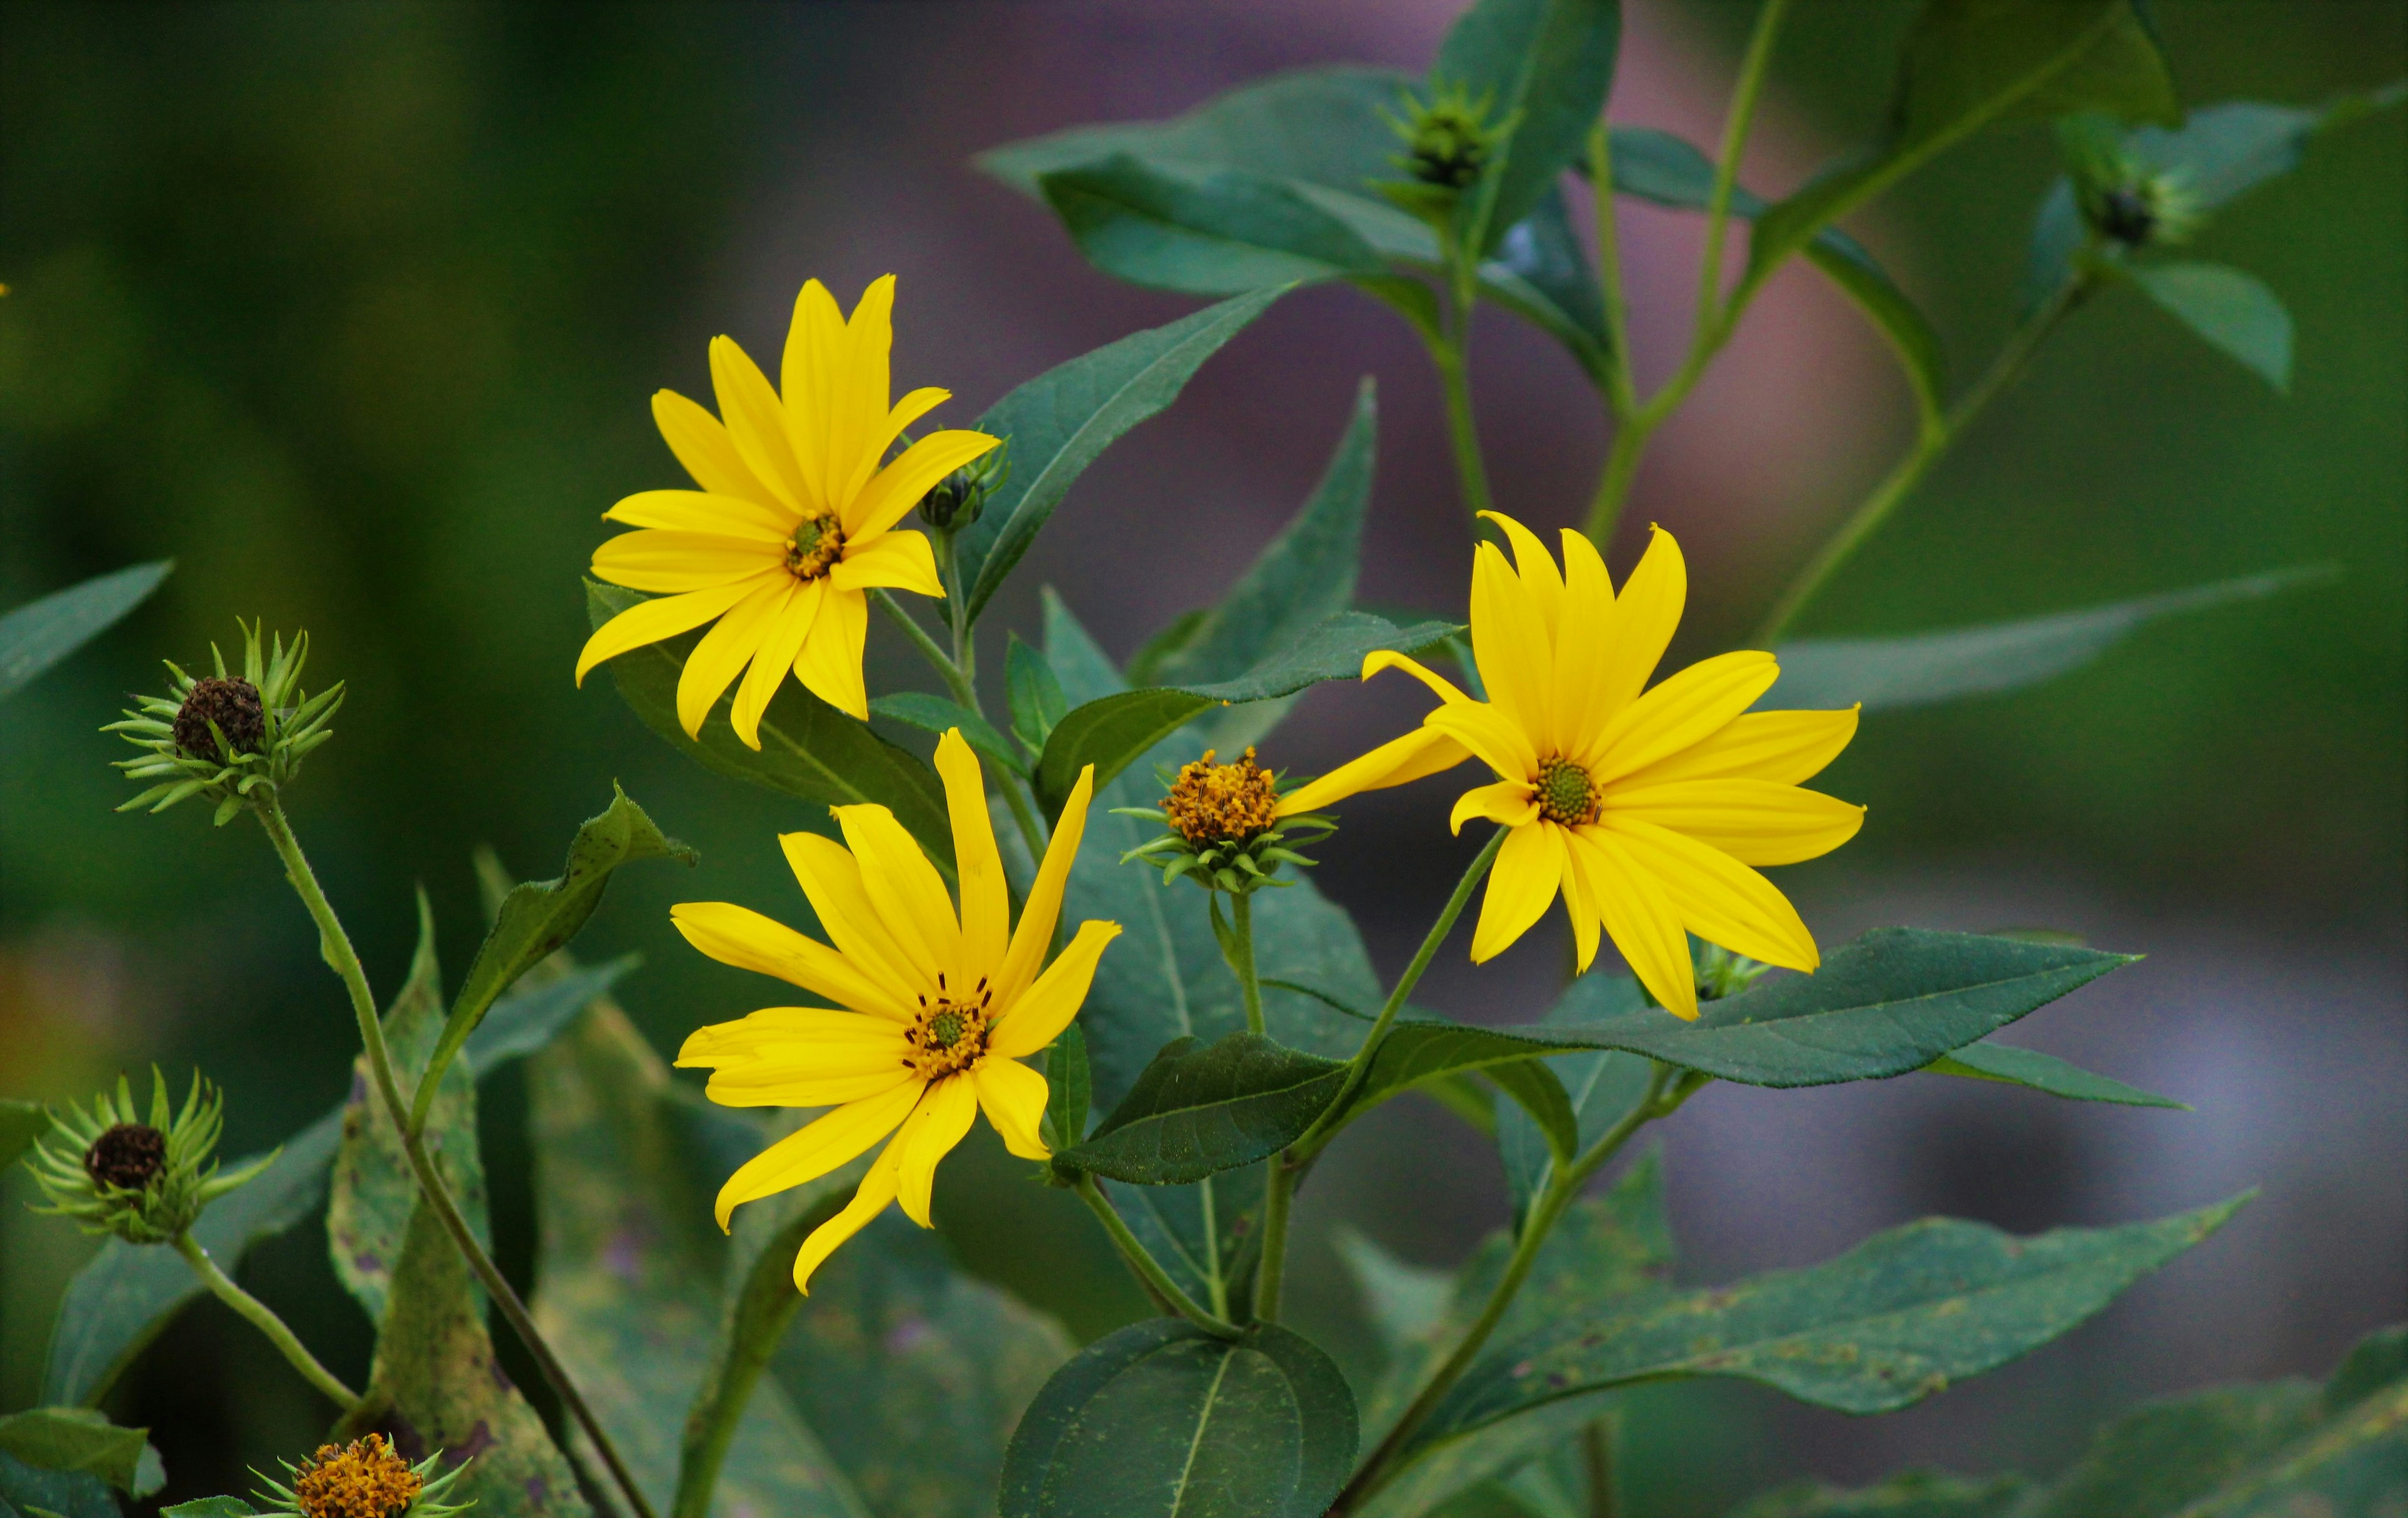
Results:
x,y
958,500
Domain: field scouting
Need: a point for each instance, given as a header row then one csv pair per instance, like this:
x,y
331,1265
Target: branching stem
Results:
x,y
1149,1271
261,1317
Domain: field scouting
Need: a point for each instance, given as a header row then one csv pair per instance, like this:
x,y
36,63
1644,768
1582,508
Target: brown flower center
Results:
x,y
1565,793
816,547
365,1478
234,705
950,1033
1217,804
128,1156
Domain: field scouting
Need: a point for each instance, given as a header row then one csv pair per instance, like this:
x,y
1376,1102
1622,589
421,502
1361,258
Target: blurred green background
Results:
x,y
353,311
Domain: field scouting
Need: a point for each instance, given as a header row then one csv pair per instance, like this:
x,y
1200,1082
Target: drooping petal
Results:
x,y
724,650
859,406
818,1148
699,510
742,938
831,879
1501,743
1440,686
1719,899
780,643
829,665
780,1032
906,411
1583,642
936,1125
1788,749
1642,622
907,891
1521,885
1040,1013
1685,710
807,382
675,562
898,486
1424,751
702,445
1034,933
1510,804
869,1199
1510,643
649,621
756,424
1754,821
1640,919
1541,582
1014,1098
986,903
902,560
1580,904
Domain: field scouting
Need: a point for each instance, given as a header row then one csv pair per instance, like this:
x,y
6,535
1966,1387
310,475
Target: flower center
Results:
x,y
128,1156
950,1033
364,1480
233,704
1566,793
1215,803
815,548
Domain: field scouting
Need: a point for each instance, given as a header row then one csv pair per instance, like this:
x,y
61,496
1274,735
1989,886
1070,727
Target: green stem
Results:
x,y
1598,1441
1149,1271
955,681
1279,1193
1737,123
260,1316
336,947
1024,816
1621,385
958,669
1451,349
710,1427
1241,933
1896,486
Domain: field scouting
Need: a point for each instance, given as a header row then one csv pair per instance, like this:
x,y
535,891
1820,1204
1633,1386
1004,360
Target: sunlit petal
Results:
x,y
1754,821
780,643
756,424
1640,625
1786,748
1441,686
1039,1014
744,938
987,911
649,621
898,486
726,648
1508,802
1528,871
702,445
1013,1097
1043,907
1541,582
806,382
900,561
935,1126
831,880
817,1149
1640,919
907,891
829,664
860,408
1685,710
1719,899
1504,745
697,510
1510,644
1424,751
869,1199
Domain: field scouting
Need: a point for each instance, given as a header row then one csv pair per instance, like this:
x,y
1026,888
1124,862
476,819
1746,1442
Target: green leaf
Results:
x,y
1541,1096
83,1441
1161,1420
1219,233
1206,1235
210,1507
1921,668
1544,64
1900,1316
1200,1108
1985,1061
528,1019
37,1492
1423,1047
1967,65
1058,423
1036,701
118,1303
21,1123
809,749
41,632
1910,1494
1068,1088
1404,1301
538,918
933,713
2230,309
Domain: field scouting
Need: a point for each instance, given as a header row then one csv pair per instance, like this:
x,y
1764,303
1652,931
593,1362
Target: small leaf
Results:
x,y
1068,1089
1540,1095
1161,1420
210,1507
1985,1061
1910,1494
1199,1109
21,1123
1036,696
2230,309
1546,64
39,634
1918,669
81,1440
933,713
1541,273
1212,234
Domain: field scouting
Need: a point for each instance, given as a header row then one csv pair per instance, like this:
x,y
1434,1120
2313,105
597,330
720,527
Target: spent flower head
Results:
x,y
1222,826
365,1478
235,739
142,1178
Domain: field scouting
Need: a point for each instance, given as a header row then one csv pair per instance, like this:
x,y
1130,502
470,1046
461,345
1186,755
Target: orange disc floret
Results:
x,y
1211,803
364,1479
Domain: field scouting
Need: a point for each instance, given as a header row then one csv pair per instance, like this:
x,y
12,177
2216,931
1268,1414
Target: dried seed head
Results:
x,y
128,1156
233,703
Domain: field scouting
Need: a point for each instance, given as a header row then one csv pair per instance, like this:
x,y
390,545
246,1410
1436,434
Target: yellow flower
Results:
x,y
1645,811
934,1010
794,521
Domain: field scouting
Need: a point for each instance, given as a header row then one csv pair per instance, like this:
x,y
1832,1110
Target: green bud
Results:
x,y
956,500
2127,203
234,739
1721,973
144,1177
1449,143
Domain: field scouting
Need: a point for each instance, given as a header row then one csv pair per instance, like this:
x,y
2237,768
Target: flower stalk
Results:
x,y
261,1317
1165,1292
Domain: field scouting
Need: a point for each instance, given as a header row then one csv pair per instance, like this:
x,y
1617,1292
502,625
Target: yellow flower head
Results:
x,y
794,521
1644,810
934,1009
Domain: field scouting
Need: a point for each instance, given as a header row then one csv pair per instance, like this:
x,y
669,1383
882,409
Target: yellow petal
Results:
x,y
649,621
1502,745
1640,919
781,640
829,664
744,938
1034,933
1441,686
806,382
697,510
1640,625
1754,821
902,560
898,486
831,879
682,561
1522,883
1013,1097
703,446
909,894
859,405
1580,904
726,649
1582,644
906,411
869,1199
1541,581
1508,802
797,1083
986,905
817,1149
1685,710
936,1125
756,424
1040,1014
1424,751
778,1033
1786,748
1719,899
1510,644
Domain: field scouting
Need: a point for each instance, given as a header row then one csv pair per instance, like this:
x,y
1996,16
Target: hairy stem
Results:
x,y
261,1317
336,947
1242,958
1149,1271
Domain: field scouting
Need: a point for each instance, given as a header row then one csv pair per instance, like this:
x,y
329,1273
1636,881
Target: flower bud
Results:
x,y
235,739
1449,143
1224,830
143,1179
1721,973
364,1479
956,500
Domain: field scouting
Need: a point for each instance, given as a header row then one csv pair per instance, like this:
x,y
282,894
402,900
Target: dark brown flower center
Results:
x,y
128,1156
234,705
1565,793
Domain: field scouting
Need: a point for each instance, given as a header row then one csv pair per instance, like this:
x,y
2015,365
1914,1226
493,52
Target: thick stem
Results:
x,y
260,1316
710,1432
1279,1194
1242,960
1896,486
336,946
1149,1271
